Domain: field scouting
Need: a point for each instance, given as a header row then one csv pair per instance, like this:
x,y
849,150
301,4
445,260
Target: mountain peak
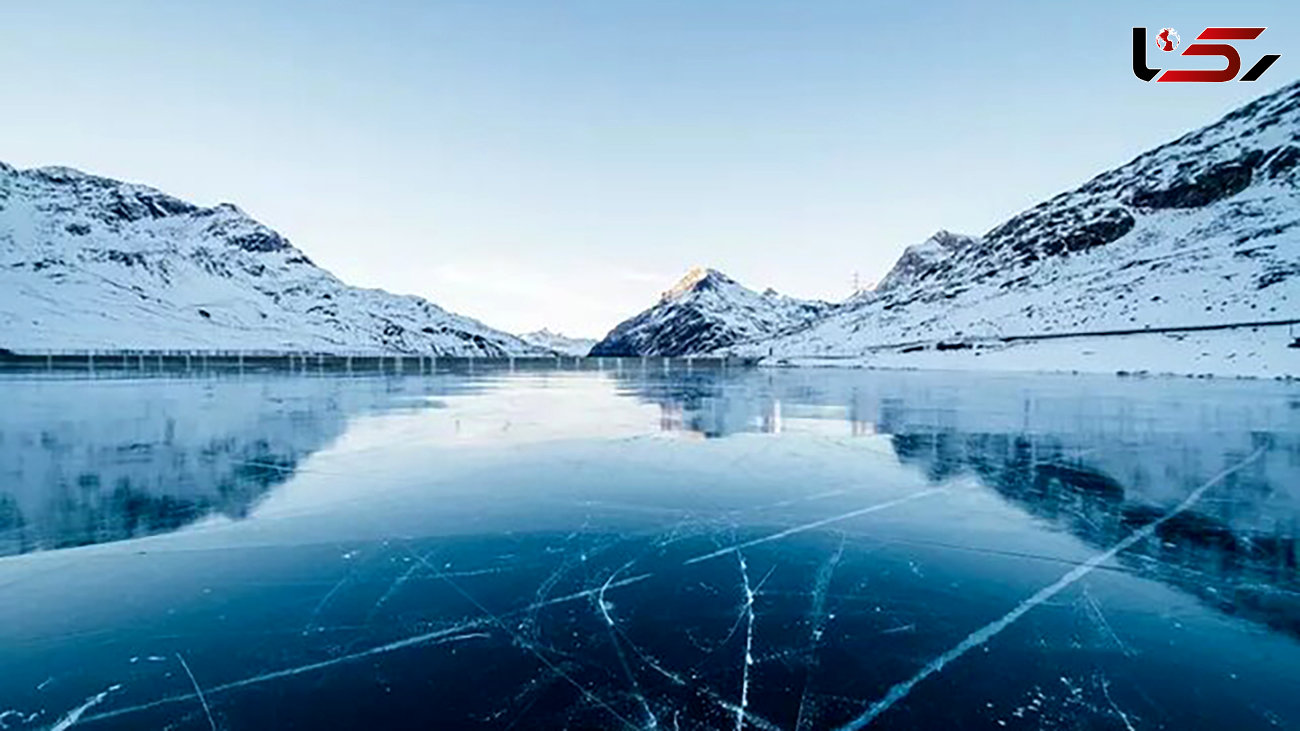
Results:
x,y
59,173
942,243
697,279
945,237
705,311
919,261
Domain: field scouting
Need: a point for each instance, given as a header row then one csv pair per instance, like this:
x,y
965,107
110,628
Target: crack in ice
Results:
x,y
817,616
818,524
992,629
202,699
1105,623
392,590
71,717
749,643
446,635
749,716
320,606
527,645
1105,689
618,649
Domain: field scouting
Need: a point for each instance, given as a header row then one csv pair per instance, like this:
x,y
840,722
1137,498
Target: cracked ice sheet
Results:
x,y
516,587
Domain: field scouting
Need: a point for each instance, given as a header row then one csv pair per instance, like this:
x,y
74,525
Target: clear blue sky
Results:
x,y
536,163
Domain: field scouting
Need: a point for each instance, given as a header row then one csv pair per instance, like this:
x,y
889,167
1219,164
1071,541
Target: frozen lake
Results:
x,y
634,548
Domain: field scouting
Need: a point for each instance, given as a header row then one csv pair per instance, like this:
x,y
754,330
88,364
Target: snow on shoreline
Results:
x,y
1262,352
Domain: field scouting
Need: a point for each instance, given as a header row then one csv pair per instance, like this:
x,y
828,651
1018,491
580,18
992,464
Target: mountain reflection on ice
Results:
x,y
91,461
634,547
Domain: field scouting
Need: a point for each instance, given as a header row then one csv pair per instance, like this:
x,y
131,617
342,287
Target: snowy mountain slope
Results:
x,y
704,311
558,343
1203,230
92,263
923,260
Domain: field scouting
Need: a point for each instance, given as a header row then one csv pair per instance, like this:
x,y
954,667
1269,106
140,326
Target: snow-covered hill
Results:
x,y
92,263
1204,230
558,342
923,260
705,311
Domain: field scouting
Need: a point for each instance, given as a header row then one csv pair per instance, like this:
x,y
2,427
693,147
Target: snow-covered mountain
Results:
x,y
1204,230
558,342
704,311
923,260
92,263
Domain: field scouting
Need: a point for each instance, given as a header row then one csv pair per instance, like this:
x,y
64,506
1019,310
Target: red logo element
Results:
x,y
1167,40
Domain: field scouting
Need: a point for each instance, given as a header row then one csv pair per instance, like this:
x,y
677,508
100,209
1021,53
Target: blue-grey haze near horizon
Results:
x,y
645,543
558,164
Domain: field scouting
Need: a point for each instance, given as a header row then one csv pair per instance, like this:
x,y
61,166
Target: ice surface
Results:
x,y
641,548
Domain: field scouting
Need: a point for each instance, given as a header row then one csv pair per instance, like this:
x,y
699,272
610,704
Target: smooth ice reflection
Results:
x,y
635,547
